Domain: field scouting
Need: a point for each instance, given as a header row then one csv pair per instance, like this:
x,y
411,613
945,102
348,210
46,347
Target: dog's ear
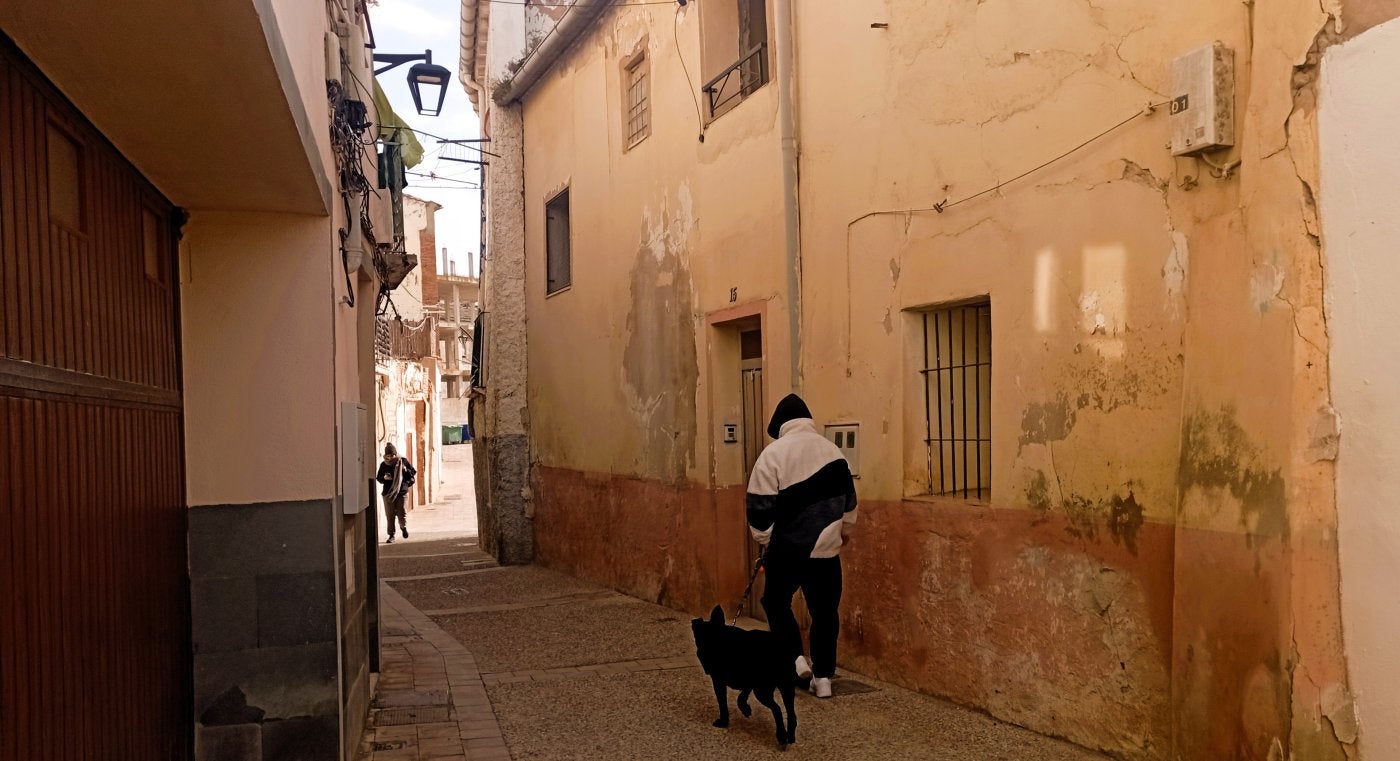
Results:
x,y
717,615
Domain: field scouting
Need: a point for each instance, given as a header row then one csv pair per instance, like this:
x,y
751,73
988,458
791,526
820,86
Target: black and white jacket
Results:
x,y
800,493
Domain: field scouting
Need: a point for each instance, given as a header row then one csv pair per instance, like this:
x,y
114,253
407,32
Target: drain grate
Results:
x,y
411,698
390,717
389,745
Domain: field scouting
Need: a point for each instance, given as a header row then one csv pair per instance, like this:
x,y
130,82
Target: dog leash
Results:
x,y
743,600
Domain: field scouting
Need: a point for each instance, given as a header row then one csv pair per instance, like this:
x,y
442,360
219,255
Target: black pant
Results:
x,y
393,507
820,582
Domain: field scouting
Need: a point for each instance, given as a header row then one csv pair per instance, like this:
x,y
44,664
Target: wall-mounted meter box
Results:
x,y
354,461
1202,109
846,437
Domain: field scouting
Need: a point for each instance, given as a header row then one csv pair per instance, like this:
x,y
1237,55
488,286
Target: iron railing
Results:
x,y
957,380
381,339
747,74
400,339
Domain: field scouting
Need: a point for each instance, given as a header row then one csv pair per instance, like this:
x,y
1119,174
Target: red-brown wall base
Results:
x,y
1013,611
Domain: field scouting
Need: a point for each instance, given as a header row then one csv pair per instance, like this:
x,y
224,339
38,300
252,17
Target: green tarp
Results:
x,y
392,129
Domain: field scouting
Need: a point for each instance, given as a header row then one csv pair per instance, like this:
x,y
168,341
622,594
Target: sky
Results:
x,y
412,26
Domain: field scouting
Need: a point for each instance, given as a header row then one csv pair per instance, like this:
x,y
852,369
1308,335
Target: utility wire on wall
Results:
x,y
946,204
689,85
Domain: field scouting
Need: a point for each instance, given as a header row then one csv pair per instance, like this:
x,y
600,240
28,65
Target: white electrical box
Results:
x,y
731,433
846,437
1202,111
354,466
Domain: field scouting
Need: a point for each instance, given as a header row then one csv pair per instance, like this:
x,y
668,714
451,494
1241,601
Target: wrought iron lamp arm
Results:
x,y
398,59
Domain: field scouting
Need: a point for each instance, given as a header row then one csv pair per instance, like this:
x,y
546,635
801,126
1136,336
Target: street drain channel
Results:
x,y
391,717
411,698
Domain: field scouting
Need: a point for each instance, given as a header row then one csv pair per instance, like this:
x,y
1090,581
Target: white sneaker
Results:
x,y
821,687
804,669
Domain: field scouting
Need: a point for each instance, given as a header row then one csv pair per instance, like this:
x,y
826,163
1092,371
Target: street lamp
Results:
x,y
420,75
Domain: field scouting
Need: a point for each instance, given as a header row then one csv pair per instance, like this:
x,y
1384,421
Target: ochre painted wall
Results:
x,y
1155,573
256,327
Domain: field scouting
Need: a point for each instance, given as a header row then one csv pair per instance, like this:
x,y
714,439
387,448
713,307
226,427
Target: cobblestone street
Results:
x,y
485,662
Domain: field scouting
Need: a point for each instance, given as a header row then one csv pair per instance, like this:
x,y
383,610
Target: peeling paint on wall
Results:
x,y
660,368
1265,285
1047,421
1174,271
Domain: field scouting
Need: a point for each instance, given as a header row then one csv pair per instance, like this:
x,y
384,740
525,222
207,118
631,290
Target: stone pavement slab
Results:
x,y
430,702
572,633
666,714
520,585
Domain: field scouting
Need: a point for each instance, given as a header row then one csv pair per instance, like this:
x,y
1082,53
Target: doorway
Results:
x,y
751,389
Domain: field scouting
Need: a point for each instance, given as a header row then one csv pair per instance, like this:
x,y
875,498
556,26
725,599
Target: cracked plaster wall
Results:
x,y
1159,347
660,234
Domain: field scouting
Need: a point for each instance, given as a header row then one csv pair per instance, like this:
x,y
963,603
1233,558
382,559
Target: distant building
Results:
x,y
409,359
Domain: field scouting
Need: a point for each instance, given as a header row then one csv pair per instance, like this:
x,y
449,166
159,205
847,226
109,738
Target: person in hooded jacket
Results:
x,y
801,504
397,475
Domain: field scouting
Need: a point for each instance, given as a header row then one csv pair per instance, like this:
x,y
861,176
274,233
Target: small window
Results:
x,y
636,77
65,164
556,230
957,394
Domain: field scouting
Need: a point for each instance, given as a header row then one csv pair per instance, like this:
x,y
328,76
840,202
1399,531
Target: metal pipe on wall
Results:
x,y
788,136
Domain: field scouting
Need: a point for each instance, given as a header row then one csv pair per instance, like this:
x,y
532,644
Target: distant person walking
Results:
x,y
397,475
801,503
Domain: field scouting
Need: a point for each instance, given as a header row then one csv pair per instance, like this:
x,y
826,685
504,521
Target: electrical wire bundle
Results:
x,y
349,146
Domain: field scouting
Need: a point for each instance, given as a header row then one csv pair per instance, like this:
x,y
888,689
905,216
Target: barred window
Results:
x,y
957,386
637,99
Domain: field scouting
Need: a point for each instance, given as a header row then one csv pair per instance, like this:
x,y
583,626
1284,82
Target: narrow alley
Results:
x,y
521,662
1034,344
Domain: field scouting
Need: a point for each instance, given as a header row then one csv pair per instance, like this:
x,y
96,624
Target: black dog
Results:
x,y
747,661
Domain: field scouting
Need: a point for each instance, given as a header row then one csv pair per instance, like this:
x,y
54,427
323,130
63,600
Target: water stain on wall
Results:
x,y
1216,454
1047,421
660,368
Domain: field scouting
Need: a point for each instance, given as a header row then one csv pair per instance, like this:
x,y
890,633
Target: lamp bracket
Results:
x,y
398,59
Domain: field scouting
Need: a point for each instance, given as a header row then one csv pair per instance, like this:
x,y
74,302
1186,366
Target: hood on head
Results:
x,y
790,408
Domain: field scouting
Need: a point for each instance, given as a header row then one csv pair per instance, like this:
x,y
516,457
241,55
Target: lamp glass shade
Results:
x,y
428,82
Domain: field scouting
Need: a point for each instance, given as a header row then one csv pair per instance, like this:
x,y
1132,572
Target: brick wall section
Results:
x,y
427,261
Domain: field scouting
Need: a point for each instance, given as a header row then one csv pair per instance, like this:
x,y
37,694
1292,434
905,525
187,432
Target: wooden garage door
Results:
x,y
94,632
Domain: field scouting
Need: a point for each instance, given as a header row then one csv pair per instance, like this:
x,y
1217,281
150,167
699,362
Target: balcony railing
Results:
x,y
398,339
739,81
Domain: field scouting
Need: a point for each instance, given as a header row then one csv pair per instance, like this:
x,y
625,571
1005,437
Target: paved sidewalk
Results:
x,y
431,702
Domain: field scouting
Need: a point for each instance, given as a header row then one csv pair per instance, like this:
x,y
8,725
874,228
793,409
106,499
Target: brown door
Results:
x,y
94,624
751,369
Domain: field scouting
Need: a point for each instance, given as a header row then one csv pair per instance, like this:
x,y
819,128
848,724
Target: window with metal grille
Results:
x,y
558,266
637,77
957,385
